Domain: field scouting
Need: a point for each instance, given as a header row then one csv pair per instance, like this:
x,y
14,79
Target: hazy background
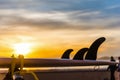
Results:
x,y
52,26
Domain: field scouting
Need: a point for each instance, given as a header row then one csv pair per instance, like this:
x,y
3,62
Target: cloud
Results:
x,y
82,20
60,22
60,14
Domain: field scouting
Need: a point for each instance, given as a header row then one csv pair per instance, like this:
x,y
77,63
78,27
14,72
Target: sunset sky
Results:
x,y
50,27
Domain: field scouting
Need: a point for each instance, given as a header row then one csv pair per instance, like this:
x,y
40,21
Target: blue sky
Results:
x,y
66,21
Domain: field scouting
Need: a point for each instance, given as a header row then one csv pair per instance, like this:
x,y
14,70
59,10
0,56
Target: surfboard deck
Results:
x,y
38,62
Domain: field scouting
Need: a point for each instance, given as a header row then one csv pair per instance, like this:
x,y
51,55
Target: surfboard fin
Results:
x,y
92,51
66,54
80,54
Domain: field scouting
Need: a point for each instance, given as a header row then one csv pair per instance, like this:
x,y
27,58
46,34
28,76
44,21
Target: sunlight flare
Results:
x,y
22,48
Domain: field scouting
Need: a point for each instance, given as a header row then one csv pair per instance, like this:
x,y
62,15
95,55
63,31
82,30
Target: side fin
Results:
x,y
80,54
66,54
92,51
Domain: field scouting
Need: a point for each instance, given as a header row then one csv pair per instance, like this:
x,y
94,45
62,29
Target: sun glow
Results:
x,y
22,48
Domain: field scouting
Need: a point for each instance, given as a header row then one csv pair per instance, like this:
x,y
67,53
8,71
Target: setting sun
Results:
x,y
22,48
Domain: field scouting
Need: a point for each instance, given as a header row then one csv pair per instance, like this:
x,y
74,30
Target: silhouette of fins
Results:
x,y
92,51
80,54
66,54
